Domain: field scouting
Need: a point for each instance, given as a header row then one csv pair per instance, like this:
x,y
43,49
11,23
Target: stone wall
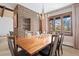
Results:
x,y
24,12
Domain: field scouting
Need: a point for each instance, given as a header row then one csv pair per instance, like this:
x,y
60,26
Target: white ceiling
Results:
x,y
47,6
37,7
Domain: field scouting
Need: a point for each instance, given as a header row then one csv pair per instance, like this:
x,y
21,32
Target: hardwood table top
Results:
x,y
33,44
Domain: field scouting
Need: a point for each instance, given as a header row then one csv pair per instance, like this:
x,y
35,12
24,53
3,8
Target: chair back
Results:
x,y
11,46
53,45
11,33
61,38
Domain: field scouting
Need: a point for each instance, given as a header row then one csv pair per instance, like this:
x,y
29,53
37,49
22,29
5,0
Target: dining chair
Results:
x,y
60,42
12,49
50,50
11,33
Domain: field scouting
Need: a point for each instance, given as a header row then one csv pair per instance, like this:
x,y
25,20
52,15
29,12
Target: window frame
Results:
x,y
62,22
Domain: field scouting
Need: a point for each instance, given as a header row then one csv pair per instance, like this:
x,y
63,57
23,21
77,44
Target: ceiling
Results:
x,y
37,7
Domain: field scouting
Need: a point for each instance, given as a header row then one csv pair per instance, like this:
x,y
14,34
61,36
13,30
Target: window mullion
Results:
x,y
62,24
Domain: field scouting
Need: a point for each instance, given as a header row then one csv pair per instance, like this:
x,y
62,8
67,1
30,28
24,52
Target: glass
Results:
x,y
67,23
57,24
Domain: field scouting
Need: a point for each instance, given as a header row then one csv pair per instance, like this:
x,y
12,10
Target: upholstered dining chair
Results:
x,y
50,50
12,49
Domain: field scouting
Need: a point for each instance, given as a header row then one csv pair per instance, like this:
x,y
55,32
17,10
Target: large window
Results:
x,y
62,22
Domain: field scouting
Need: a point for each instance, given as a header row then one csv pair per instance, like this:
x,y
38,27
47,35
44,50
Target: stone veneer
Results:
x,y
27,13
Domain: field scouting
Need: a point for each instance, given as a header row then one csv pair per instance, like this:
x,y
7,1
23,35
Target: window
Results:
x,y
51,25
57,24
67,24
62,22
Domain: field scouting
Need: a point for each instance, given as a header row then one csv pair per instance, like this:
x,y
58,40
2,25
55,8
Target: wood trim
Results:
x,y
2,11
63,14
67,45
6,8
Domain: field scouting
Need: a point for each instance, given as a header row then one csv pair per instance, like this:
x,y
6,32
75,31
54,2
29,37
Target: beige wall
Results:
x,y
68,40
76,10
27,13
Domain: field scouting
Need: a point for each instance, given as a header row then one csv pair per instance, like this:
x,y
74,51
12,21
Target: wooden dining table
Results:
x,y
33,44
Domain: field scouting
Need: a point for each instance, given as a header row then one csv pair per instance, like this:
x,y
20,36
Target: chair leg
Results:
x,y
58,51
16,50
61,50
55,53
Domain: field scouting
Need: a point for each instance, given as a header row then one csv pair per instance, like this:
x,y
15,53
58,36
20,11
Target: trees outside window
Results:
x,y
62,22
